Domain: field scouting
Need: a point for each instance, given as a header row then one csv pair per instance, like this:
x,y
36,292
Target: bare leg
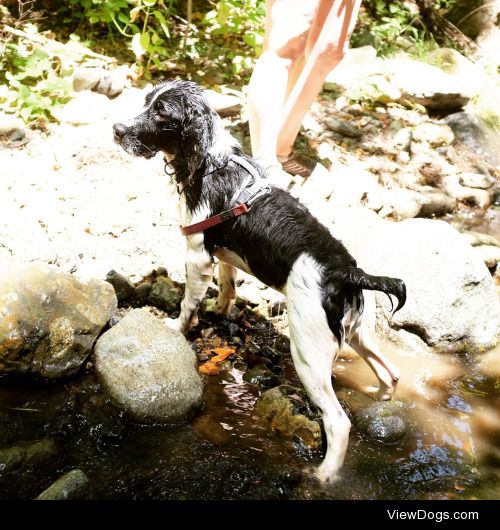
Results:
x,y
227,288
313,349
325,48
387,373
287,27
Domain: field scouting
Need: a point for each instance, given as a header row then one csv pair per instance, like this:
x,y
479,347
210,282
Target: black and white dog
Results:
x,y
277,240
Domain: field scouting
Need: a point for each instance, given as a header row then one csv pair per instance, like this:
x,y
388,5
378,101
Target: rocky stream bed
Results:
x,y
99,400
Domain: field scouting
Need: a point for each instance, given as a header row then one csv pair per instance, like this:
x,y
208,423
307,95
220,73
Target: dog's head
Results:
x,y
176,120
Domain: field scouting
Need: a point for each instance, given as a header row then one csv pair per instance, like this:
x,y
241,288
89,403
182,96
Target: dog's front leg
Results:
x,y
199,272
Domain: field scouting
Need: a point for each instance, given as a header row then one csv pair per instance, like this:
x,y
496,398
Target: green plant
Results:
x,y
143,23
238,27
33,81
389,27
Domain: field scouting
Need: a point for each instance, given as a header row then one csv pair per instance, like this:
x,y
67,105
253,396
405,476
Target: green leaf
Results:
x,y
163,23
145,41
122,17
223,12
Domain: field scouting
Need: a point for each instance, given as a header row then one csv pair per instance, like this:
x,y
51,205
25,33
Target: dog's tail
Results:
x,y
390,286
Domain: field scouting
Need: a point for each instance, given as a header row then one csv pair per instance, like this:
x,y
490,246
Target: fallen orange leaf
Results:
x,y
209,368
222,354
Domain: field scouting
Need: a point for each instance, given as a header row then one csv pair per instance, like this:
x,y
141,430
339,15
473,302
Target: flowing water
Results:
x,y
452,449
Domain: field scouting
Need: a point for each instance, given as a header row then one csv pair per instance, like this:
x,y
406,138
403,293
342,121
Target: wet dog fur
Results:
x,y
278,241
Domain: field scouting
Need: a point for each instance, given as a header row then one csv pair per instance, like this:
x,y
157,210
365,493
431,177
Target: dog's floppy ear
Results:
x,y
197,130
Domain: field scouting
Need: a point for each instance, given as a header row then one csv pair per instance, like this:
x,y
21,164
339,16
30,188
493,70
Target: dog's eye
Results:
x,y
160,112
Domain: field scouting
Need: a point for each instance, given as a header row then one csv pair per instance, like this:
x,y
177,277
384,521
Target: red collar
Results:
x,y
254,186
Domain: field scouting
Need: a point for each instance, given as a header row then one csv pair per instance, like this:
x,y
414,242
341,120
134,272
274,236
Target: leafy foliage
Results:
x,y
227,32
388,26
33,81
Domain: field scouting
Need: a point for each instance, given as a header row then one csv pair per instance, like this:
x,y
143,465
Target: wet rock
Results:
x,y
429,467
477,239
282,344
207,427
224,104
285,408
476,134
124,289
87,78
142,291
384,422
262,376
148,369
489,254
165,295
49,319
102,420
476,180
25,456
435,203
427,85
470,196
269,353
71,486
435,134
451,303
402,139
343,128
113,82
233,329
405,203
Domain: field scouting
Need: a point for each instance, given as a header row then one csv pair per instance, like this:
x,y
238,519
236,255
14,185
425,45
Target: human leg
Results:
x,y
325,47
287,26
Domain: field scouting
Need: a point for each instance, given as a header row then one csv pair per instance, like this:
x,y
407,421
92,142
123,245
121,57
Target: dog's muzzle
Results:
x,y
119,131
127,138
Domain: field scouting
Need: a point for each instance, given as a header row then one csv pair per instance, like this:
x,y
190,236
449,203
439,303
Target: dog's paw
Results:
x,y
223,306
325,474
380,393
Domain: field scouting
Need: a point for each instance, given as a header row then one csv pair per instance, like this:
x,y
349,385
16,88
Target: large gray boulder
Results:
x,y
148,369
49,319
475,132
452,304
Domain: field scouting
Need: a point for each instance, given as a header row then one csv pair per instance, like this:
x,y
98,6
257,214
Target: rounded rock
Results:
x,y
148,369
383,422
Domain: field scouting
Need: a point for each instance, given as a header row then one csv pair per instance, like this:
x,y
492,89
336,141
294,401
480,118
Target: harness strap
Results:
x,y
254,186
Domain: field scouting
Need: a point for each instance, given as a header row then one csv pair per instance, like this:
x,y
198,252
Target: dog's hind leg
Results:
x,y
387,373
314,347
227,288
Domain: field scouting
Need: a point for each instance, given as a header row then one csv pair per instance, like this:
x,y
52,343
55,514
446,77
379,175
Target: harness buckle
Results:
x,y
258,193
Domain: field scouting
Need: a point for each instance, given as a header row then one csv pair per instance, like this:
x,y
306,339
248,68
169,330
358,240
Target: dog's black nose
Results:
x,y
119,129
